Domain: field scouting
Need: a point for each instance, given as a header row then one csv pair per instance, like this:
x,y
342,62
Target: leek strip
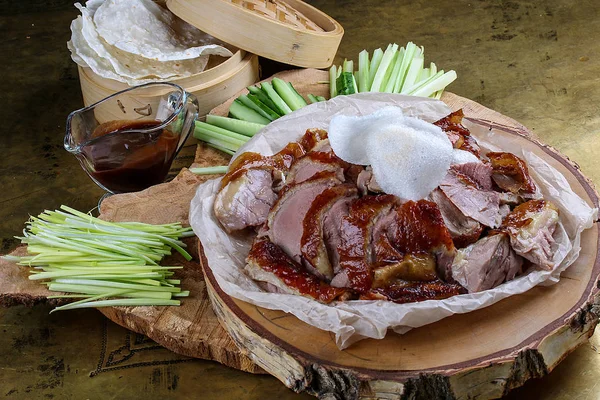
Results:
x,y
222,169
421,84
93,290
117,285
363,71
94,275
183,293
75,304
119,302
375,61
382,71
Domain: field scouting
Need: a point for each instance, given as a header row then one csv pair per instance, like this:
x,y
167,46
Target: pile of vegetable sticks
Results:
x,y
104,263
395,70
249,113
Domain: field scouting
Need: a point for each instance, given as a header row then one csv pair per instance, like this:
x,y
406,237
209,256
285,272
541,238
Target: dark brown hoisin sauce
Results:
x,y
124,160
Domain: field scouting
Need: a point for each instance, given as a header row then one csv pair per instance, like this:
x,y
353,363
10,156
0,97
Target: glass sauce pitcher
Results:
x,y
128,141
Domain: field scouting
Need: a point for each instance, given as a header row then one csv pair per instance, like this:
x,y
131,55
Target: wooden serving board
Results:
x,y
482,354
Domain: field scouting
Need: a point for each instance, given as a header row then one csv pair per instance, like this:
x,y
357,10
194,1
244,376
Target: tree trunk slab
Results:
x,y
482,354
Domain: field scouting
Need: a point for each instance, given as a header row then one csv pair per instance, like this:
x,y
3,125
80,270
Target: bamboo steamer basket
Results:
x,y
211,87
289,31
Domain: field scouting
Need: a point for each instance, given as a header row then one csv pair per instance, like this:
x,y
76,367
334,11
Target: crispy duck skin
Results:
x,y
410,292
266,262
355,247
530,227
458,134
313,243
419,228
510,173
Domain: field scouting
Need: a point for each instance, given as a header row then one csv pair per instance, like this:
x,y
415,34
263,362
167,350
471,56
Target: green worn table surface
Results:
x,y
535,61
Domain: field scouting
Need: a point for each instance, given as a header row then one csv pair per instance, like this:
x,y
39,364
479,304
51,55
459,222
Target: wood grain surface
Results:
x,y
485,353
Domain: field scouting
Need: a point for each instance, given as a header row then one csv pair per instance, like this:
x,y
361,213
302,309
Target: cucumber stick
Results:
x,y
288,95
264,98
235,125
267,88
258,106
240,111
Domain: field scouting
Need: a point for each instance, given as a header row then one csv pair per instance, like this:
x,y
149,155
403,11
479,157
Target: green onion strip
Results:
x,y
103,263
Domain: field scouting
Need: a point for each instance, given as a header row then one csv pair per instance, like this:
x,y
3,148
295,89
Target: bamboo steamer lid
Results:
x,y
289,31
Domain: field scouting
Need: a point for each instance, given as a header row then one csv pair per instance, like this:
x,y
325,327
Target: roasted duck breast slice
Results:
x,y
486,263
410,292
511,174
245,201
463,230
285,221
418,228
479,173
313,163
268,263
355,246
530,227
481,205
318,229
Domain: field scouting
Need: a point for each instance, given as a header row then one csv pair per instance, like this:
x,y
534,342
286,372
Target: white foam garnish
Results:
x,y
409,157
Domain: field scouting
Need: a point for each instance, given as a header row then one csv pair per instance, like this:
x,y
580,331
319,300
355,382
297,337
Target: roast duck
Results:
x,y
326,231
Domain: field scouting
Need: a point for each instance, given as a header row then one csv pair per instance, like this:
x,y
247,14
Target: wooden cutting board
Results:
x,y
482,354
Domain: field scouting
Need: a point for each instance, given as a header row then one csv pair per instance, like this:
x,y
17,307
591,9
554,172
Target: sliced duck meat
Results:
x,y
366,182
313,163
510,199
530,227
318,229
286,218
355,250
268,263
419,228
458,134
245,201
463,230
511,174
412,267
486,264
479,173
312,139
481,205
410,292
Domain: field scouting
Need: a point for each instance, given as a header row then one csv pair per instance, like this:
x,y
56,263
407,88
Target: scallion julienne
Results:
x,y
104,263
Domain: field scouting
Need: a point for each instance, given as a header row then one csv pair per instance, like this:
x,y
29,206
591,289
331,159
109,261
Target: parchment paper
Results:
x,y
354,320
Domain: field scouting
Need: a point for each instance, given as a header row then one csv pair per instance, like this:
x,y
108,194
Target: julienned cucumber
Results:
x,y
235,125
240,111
